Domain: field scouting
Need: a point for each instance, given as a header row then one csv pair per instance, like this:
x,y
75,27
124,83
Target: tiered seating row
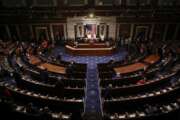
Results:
x,y
55,103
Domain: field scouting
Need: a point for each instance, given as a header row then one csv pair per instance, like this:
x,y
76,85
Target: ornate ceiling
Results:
x,y
55,3
61,8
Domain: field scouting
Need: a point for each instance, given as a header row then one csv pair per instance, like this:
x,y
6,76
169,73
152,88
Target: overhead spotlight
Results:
x,y
91,15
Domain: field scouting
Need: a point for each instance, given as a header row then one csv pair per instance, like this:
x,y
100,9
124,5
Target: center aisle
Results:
x,y
93,102
92,91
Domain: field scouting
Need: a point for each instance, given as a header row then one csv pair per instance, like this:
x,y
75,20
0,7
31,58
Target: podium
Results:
x,y
90,48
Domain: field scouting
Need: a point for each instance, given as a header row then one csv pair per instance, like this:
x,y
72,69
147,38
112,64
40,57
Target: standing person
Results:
x,y
107,94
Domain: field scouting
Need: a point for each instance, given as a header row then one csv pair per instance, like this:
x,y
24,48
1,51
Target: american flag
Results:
x,y
91,28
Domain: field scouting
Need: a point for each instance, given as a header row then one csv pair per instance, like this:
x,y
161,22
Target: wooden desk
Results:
x,y
130,68
92,45
34,60
90,51
50,67
137,66
53,68
151,59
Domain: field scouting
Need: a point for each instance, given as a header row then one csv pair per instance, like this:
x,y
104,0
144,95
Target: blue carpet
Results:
x,y
92,95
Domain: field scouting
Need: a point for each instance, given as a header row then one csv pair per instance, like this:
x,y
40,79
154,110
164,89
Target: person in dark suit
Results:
x,y
59,58
148,49
0,68
160,53
44,75
172,53
76,116
17,78
70,69
110,66
107,94
53,59
31,109
59,88
111,63
6,108
46,114
3,72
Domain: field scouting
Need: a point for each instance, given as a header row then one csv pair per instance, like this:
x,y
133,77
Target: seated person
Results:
x,y
44,46
107,94
76,115
150,109
59,88
141,82
102,37
7,93
3,72
145,70
59,58
76,44
44,74
70,69
172,53
143,75
17,78
53,59
31,109
160,53
46,114
6,106
111,62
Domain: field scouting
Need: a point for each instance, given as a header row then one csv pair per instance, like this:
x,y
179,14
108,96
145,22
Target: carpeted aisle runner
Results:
x,y
92,94
93,104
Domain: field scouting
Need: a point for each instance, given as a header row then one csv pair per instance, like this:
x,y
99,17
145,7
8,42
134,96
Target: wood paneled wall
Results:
x,y
57,29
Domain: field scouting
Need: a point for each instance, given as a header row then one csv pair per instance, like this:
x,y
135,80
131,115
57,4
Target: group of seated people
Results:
x,y
144,49
58,85
108,42
122,90
72,68
149,83
157,109
88,40
30,111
